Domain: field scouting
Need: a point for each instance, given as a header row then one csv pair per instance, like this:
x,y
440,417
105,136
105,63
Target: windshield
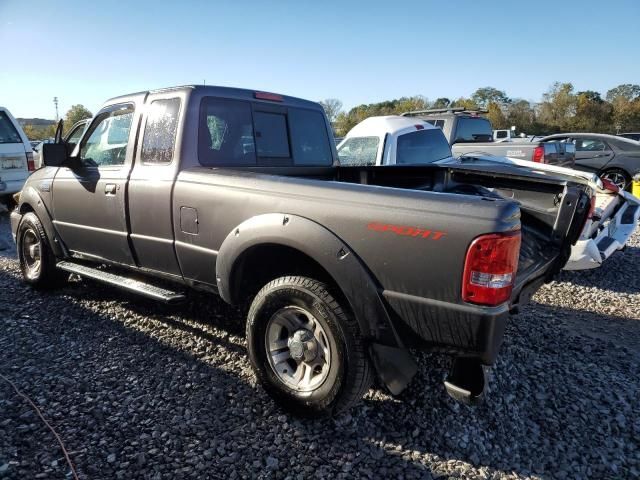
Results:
x,y
422,146
8,132
473,129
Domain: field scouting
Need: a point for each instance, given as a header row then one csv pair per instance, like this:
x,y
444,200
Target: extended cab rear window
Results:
x,y
8,132
242,133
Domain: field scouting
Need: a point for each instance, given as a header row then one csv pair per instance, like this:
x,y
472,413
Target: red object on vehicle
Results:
x,y
538,154
609,185
419,127
490,268
592,208
31,166
274,97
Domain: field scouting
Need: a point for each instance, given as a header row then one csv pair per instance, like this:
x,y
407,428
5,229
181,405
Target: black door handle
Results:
x,y
110,189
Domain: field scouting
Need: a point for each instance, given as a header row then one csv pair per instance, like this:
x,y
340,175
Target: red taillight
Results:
x,y
31,165
274,97
538,154
490,268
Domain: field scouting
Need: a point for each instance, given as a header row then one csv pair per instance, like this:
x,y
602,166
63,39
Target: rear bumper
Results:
x,y
463,330
611,237
15,221
9,187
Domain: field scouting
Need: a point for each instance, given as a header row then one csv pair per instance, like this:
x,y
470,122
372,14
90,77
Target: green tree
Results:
x,y
75,114
467,103
486,95
625,100
625,91
558,107
496,116
442,102
332,107
521,114
592,114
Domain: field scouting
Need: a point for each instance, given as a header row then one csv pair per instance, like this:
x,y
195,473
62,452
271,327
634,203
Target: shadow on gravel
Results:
x,y
621,265
137,389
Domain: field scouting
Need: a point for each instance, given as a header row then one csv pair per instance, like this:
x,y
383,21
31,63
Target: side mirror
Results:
x,y
56,154
53,154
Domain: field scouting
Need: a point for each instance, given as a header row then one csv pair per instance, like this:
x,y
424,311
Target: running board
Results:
x,y
125,283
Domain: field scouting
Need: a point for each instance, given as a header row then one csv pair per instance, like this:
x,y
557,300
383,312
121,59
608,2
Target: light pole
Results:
x,y
55,102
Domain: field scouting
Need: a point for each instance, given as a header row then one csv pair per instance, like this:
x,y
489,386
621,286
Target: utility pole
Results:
x,y
55,102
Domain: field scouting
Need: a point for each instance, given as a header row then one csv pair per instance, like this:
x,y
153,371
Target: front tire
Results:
x,y
306,349
618,177
37,260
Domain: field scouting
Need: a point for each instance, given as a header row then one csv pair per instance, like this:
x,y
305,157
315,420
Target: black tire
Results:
x,y
38,268
349,372
613,174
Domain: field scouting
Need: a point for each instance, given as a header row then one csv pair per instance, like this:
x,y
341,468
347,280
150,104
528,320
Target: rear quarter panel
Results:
x,y
412,242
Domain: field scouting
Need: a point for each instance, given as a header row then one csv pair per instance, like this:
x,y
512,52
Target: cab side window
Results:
x,y
590,145
160,131
106,142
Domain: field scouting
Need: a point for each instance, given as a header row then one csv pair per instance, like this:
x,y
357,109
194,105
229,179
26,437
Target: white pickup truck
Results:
x,y
401,140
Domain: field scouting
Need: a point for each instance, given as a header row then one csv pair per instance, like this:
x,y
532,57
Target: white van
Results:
x,y
16,157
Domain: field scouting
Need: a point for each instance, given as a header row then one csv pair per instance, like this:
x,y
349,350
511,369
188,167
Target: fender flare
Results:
x,y
32,197
324,247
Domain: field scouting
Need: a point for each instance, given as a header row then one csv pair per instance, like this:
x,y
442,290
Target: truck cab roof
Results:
x,y
223,92
388,124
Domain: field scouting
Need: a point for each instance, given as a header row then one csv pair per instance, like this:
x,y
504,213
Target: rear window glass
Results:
x,y
231,133
473,129
311,143
271,134
160,131
8,132
422,146
359,151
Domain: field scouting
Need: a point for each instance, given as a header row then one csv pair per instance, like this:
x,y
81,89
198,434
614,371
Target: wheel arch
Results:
x,y
31,201
305,247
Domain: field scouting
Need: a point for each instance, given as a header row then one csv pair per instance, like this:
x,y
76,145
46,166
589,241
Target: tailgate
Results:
x,y
13,162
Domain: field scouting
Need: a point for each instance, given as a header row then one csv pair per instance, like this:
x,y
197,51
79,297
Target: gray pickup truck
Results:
x,y
343,269
469,133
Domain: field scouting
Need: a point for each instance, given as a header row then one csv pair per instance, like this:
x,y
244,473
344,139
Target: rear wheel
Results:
x,y
618,177
305,349
37,261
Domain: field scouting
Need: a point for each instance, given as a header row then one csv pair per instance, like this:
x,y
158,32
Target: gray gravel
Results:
x,y
140,390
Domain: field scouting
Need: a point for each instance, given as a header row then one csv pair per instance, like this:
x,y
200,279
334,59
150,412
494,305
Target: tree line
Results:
x,y
561,109
40,131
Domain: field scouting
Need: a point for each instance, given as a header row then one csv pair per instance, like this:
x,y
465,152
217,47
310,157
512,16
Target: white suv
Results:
x,y
16,157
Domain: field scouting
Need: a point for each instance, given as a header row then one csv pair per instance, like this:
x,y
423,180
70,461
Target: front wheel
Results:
x,y
618,177
37,260
305,349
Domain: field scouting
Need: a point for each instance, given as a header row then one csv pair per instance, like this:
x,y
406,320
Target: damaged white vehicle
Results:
x,y
398,140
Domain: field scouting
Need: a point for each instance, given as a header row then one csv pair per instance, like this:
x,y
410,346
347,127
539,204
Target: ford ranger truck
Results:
x,y
344,269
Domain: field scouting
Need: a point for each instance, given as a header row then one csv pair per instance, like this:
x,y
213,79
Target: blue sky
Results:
x,y
359,52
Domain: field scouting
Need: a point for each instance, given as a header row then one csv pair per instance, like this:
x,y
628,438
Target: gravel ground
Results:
x,y
140,390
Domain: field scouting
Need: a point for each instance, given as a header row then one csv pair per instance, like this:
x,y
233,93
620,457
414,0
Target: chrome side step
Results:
x,y
126,283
